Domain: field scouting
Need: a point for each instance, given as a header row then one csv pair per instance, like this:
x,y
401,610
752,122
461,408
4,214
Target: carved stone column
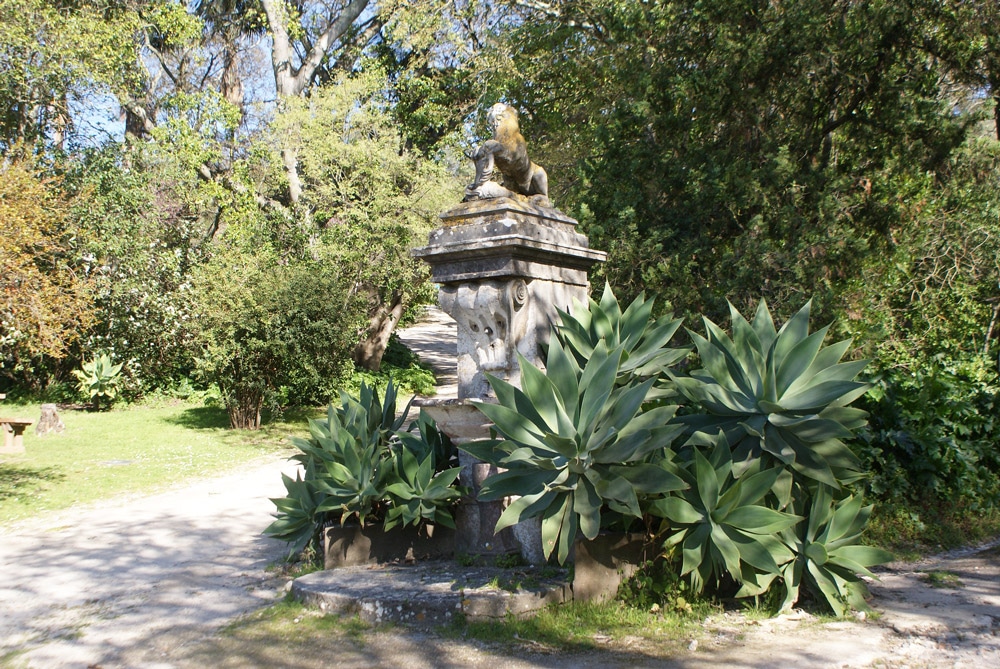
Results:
x,y
504,267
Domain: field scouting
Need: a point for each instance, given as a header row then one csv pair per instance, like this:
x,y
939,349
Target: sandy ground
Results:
x,y
149,582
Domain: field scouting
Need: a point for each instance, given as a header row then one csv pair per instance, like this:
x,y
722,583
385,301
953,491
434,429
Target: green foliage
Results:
x,y
722,526
262,327
756,494
142,232
419,493
827,555
780,396
358,464
99,378
573,442
932,437
643,340
657,586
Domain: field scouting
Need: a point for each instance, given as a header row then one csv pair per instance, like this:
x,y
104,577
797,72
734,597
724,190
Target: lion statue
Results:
x,y
508,154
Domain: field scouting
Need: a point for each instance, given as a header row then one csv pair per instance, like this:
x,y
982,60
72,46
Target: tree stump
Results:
x,y
49,422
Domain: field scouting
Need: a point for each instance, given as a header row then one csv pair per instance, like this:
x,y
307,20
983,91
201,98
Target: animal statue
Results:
x,y
508,154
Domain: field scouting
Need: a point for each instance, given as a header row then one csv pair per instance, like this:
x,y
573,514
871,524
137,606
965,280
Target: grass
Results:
x,y
942,578
582,626
912,533
138,449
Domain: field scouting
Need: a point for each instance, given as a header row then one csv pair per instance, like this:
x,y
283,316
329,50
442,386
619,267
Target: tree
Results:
x,y
53,55
44,299
734,149
373,198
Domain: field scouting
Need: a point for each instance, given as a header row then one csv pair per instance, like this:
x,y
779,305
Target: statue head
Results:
x,y
499,114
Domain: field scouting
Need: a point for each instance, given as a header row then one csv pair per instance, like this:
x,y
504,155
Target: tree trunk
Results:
x,y
368,354
244,409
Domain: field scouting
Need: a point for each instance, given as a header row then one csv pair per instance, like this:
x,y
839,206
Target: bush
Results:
x,y
932,437
267,331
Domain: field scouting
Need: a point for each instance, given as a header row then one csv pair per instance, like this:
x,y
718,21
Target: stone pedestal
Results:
x,y
504,268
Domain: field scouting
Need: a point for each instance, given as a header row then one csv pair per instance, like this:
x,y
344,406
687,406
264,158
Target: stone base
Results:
x,y
359,546
433,593
603,563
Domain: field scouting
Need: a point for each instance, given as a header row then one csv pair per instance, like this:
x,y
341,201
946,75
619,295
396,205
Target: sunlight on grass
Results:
x,y
137,449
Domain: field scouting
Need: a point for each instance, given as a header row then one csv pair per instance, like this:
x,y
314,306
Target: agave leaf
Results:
x,y
516,482
677,510
587,505
649,479
564,374
559,525
760,520
693,548
818,396
792,332
799,359
708,482
527,506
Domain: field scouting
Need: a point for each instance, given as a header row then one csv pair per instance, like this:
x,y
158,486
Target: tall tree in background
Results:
x,y
44,301
728,149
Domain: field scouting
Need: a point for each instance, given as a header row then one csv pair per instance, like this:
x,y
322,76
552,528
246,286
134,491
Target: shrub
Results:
x,y
760,493
357,464
268,331
932,437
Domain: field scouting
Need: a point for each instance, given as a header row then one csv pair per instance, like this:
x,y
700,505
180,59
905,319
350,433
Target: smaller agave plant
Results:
x,y
777,394
99,378
721,524
828,556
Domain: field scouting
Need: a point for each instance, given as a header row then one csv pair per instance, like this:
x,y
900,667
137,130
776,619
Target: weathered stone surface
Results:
x,y
13,435
505,267
502,239
49,421
474,520
602,563
432,593
355,546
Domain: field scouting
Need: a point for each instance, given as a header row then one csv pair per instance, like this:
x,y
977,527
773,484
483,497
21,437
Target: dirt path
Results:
x,y
149,582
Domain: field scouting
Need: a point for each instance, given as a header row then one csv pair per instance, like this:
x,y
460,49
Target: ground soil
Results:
x,y
153,581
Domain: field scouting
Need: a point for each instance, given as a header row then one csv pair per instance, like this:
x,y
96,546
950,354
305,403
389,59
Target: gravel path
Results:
x,y
131,578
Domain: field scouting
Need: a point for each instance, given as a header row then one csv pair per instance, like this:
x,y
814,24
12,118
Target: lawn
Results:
x,y
139,449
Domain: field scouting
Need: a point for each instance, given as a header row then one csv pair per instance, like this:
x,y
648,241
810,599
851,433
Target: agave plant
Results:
x,y
777,394
574,441
642,339
347,465
721,525
418,493
295,521
828,557
99,378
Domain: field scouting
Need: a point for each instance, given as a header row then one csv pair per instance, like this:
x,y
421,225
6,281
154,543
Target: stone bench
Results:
x,y
13,434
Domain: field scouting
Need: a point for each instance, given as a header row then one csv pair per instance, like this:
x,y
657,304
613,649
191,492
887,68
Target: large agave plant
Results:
x,y
777,394
346,464
643,340
574,441
721,524
828,557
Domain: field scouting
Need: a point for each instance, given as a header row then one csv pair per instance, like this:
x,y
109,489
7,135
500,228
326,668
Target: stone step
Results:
x,y
433,593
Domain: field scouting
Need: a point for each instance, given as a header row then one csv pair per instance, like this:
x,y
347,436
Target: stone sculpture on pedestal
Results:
x,y
505,261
